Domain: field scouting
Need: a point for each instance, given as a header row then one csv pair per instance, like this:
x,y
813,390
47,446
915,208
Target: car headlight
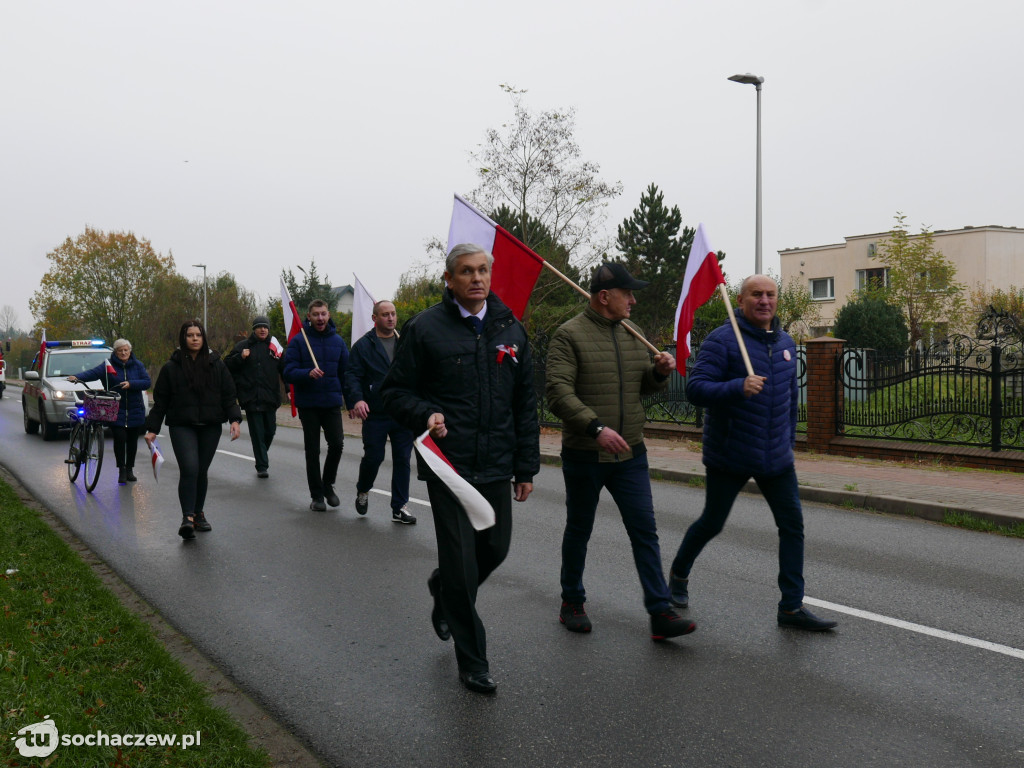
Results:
x,y
60,394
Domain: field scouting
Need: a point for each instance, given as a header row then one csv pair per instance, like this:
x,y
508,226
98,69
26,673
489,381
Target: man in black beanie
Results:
x,y
256,366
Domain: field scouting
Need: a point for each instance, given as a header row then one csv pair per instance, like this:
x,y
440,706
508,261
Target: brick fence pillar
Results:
x,y
824,395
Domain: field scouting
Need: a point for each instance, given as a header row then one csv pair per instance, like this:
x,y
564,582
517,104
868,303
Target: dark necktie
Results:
x,y
477,323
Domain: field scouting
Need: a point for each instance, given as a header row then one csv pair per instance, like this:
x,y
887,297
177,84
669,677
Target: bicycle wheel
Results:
x,y
76,449
93,456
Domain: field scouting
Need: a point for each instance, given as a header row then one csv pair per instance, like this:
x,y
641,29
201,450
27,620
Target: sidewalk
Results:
x,y
897,488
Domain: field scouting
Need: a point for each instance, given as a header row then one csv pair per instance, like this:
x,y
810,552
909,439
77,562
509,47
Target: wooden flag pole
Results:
x,y
306,339
736,330
586,295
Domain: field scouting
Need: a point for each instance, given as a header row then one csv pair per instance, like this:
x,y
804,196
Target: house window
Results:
x,y
875,278
823,288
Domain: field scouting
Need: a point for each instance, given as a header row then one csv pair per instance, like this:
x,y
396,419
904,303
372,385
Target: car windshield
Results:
x,y
72,363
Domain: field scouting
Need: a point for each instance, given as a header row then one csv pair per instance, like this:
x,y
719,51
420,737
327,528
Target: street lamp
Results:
x,y
203,266
755,80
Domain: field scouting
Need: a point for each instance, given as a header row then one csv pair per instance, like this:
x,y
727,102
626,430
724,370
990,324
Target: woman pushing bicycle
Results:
x,y
125,374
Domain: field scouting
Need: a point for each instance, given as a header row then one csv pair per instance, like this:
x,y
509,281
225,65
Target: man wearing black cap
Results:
x,y
596,373
255,367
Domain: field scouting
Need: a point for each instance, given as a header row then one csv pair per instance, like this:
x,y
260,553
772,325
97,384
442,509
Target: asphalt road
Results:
x,y
324,618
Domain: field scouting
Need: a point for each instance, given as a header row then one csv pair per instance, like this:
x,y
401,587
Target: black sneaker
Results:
x,y
122,476
201,523
575,618
317,505
679,596
801,618
262,474
331,496
668,623
186,530
362,503
402,516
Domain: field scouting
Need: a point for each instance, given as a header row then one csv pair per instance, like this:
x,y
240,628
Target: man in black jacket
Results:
x,y
255,366
463,371
368,364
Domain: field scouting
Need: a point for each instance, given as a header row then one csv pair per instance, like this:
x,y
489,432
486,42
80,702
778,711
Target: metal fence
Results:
x,y
962,391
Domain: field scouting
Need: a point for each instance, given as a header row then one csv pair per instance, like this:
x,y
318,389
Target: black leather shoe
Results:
x,y
187,529
437,614
122,476
317,505
478,682
262,474
201,523
804,619
330,496
130,474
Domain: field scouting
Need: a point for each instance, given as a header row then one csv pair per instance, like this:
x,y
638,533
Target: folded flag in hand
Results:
x,y
478,509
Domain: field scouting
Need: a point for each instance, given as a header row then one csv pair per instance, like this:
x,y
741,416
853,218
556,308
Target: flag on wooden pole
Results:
x,y
362,310
292,327
516,267
702,277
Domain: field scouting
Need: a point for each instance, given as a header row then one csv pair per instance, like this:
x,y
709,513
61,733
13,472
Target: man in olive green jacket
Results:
x,y
596,374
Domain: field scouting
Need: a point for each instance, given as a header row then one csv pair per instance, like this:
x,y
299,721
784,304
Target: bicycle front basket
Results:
x,y
101,406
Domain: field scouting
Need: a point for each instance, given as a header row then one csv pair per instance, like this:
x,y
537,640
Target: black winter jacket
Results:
x,y
257,377
486,395
182,406
368,364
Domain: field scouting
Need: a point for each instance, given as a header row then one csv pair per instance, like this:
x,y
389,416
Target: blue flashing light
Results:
x,y
81,411
99,343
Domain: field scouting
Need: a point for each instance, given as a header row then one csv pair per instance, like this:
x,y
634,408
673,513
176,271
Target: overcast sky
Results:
x,y
252,136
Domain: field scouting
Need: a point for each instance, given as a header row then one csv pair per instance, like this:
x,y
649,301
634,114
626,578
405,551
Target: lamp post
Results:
x,y
203,266
755,80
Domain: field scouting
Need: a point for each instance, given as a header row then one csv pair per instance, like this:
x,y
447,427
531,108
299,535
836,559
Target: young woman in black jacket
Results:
x,y
195,394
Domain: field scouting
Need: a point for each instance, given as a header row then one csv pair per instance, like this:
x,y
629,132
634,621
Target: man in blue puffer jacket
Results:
x,y
319,397
749,431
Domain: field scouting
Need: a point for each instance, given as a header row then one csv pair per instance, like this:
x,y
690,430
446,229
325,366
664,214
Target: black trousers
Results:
x,y
466,558
194,449
329,420
126,444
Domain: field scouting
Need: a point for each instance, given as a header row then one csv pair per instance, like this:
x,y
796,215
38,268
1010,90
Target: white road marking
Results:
x,y
236,455
920,628
412,500
372,490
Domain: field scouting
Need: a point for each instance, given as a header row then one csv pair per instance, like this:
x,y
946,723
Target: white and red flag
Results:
x,y
275,346
111,368
478,509
292,327
516,268
362,310
702,278
157,459
42,347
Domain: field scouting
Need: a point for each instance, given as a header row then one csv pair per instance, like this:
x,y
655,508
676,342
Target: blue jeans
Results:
x,y
783,497
629,483
375,436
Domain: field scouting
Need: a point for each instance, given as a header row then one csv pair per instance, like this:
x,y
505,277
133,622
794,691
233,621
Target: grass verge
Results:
x,y
69,650
972,523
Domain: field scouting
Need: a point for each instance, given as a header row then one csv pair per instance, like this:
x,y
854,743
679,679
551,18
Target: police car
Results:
x,y
48,394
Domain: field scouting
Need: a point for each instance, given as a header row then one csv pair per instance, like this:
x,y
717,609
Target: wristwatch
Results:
x,y
598,431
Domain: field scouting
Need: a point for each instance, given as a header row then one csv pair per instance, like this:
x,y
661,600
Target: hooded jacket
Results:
x,y
484,391
257,377
747,435
181,405
132,409
332,358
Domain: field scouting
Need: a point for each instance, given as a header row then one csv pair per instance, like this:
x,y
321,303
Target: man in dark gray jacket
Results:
x,y
596,373
368,364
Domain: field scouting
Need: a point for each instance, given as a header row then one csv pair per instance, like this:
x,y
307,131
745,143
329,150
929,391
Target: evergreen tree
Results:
x,y
871,322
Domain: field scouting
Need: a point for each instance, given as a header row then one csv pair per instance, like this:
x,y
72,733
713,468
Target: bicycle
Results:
x,y
86,446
